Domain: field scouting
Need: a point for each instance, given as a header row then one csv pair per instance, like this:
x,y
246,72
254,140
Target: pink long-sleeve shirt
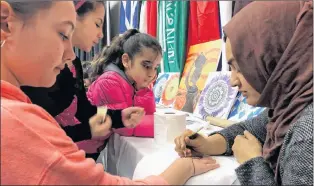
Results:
x,y
35,150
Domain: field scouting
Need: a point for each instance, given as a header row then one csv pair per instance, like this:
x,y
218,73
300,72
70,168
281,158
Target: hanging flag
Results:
x,y
203,22
225,10
129,15
151,16
161,32
143,17
172,21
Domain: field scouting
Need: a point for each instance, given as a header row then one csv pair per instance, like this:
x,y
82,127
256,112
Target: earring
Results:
x,y
2,43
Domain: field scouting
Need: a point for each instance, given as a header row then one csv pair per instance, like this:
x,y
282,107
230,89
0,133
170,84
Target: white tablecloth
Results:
x,y
125,155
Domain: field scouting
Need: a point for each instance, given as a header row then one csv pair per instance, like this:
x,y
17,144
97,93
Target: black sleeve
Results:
x,y
85,109
78,132
116,118
47,100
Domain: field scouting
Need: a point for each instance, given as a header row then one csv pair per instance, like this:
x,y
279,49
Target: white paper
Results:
x,y
168,125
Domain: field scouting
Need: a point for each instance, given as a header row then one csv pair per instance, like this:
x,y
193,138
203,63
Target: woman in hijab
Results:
x,y
36,36
270,51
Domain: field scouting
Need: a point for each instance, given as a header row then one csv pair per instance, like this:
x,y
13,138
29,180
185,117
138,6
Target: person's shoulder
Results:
x,y
302,129
110,77
30,119
145,92
25,112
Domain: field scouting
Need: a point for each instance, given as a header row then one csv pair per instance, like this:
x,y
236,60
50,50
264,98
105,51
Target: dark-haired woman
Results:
x,y
67,101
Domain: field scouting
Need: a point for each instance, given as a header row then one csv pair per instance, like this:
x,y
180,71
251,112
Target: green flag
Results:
x,y
172,28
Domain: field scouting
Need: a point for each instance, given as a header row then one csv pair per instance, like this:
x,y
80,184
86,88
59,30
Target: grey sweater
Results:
x,y
295,159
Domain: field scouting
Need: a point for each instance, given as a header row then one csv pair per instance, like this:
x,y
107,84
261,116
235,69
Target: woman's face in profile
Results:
x,y
237,78
38,48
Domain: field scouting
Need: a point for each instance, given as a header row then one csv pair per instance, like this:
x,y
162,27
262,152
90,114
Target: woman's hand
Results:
x,y
202,165
183,169
132,116
100,126
246,147
199,145
197,166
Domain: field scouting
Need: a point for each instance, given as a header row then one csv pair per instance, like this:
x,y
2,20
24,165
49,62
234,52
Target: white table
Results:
x,y
125,155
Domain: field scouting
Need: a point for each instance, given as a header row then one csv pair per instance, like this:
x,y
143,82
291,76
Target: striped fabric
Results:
x,y
129,15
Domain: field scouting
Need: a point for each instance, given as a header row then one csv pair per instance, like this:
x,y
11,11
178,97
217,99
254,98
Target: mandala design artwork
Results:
x,y
171,89
217,97
159,86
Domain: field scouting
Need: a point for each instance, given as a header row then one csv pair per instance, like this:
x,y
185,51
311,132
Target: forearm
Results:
x,y
256,126
116,117
78,132
217,145
85,109
224,139
179,172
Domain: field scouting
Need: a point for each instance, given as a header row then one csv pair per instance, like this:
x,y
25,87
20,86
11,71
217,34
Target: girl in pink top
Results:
x,y
35,45
121,77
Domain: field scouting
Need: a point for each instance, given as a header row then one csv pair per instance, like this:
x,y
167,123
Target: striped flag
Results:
x,y
151,15
129,15
143,17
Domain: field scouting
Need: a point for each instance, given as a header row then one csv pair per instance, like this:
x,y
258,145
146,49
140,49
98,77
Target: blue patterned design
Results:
x,y
129,15
160,86
241,111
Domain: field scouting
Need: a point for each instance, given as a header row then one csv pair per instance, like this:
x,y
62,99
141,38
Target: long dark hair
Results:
x,y
130,42
86,7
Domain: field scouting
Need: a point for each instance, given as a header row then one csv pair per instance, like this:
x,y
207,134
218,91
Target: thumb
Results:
x,y
249,136
97,118
192,142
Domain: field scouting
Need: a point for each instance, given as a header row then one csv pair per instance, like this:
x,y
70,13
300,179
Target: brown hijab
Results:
x,y
272,43
239,4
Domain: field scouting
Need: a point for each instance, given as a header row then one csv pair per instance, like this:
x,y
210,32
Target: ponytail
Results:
x,y
111,54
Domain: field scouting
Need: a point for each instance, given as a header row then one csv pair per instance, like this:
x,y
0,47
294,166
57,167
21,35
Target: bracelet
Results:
x,y
193,167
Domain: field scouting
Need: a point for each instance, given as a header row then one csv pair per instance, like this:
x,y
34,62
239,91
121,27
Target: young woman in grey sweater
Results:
x,y
270,51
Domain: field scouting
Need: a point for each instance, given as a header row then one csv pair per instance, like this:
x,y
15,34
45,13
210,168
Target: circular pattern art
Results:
x,y
171,90
160,84
216,97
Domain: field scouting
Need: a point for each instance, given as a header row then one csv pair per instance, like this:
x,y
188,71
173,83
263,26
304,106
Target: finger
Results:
x,y
249,136
181,154
178,144
208,160
138,110
96,119
191,142
239,137
108,121
182,142
212,166
135,118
